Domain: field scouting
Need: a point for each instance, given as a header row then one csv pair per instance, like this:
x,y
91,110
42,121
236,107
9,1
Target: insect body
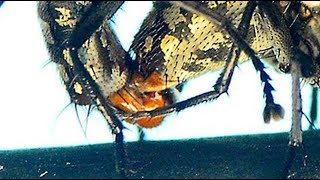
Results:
x,y
180,45
178,42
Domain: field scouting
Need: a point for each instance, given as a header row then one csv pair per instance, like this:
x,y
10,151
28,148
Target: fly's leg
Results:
x,y
313,109
108,111
141,134
296,61
90,21
120,154
225,77
296,131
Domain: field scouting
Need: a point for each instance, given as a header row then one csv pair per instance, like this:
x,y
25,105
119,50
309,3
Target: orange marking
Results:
x,y
132,99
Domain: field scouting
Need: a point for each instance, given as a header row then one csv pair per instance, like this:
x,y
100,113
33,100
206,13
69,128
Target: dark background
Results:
x,y
249,156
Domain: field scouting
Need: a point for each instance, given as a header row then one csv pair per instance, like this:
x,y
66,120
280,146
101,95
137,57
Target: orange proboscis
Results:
x,y
131,99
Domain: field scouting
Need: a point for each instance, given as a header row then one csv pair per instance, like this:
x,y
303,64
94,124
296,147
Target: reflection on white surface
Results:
x,y
33,97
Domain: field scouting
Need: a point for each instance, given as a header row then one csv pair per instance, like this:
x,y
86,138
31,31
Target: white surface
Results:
x,y
32,96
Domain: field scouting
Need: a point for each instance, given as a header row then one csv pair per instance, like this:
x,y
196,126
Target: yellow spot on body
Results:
x,y
77,88
168,45
203,32
197,22
65,18
214,4
67,56
148,44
